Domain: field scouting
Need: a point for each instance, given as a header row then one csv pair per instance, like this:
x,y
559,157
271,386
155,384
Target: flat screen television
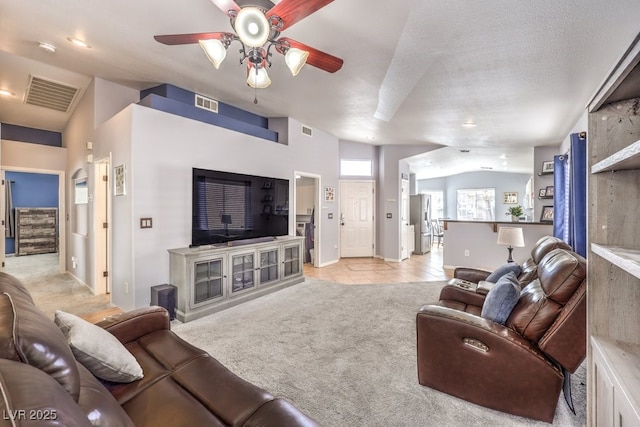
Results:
x,y
231,206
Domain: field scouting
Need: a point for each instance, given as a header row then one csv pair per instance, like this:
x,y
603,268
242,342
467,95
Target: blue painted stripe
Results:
x,y
34,136
188,98
180,109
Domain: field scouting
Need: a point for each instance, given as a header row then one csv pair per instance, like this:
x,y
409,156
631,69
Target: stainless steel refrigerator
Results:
x,y
420,217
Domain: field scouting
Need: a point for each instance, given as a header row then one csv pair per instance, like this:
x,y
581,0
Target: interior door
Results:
x,y
357,218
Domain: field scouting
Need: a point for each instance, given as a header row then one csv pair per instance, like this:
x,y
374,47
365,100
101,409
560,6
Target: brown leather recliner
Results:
x,y
516,368
467,298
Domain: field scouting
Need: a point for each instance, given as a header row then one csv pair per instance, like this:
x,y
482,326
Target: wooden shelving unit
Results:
x,y
613,281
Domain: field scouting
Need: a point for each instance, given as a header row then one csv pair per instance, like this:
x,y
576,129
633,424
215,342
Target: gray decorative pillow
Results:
x,y
97,350
501,299
502,270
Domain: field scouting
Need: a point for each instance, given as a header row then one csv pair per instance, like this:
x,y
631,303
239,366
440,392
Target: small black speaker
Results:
x,y
165,296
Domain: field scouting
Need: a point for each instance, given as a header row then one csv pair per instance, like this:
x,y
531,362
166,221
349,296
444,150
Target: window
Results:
x,y
476,204
356,168
437,204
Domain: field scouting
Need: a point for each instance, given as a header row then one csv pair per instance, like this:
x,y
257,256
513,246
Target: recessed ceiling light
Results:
x,y
370,138
469,124
78,42
6,92
503,156
47,47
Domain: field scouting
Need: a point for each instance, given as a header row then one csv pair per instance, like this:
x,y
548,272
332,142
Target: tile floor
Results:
x,y
416,268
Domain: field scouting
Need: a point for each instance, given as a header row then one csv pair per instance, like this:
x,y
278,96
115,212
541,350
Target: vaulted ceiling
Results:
x,y
414,71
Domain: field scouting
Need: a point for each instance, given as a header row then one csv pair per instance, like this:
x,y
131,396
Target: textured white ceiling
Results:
x,y
413,71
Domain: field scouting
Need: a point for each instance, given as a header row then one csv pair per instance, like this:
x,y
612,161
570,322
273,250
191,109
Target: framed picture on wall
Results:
x,y
547,214
119,181
510,198
329,194
549,191
547,167
542,192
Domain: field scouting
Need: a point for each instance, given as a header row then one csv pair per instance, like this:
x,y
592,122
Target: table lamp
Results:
x,y
510,237
226,220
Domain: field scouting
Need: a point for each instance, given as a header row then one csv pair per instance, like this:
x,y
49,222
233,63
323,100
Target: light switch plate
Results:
x,y
146,223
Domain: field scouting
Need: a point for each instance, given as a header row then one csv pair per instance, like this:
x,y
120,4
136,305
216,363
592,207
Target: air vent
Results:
x,y
306,130
49,94
206,103
486,168
464,150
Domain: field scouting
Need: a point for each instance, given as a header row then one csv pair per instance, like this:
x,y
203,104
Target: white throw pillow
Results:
x,y
97,350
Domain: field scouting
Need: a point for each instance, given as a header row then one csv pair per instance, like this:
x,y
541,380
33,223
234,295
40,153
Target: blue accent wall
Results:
x,y
181,102
31,190
34,136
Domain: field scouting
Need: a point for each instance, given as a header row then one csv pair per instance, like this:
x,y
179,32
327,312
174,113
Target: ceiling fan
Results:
x,y
258,30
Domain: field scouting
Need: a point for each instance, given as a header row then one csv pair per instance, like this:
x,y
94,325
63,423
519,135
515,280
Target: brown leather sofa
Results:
x,y
42,384
518,367
462,293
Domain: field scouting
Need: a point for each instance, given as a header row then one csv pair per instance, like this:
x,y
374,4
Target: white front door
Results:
x,y
357,204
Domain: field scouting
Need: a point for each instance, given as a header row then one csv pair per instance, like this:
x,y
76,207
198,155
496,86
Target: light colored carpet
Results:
x,y
346,355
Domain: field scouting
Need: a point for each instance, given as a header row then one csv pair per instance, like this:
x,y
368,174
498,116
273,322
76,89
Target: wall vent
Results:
x,y
306,130
49,94
206,103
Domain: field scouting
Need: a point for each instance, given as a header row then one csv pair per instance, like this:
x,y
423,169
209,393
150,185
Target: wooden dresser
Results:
x,y
36,231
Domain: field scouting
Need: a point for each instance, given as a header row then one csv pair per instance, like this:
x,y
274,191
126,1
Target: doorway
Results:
x,y
37,187
306,201
101,226
357,219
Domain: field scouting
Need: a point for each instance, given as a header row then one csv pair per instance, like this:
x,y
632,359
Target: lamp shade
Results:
x,y
295,59
511,236
252,26
257,77
226,219
215,51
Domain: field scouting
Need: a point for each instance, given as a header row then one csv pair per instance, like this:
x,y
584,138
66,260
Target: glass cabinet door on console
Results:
x,y
292,260
268,270
208,280
242,271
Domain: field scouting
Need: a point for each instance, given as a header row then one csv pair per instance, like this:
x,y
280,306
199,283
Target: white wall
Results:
x,y
159,151
479,239
391,168
101,100
33,156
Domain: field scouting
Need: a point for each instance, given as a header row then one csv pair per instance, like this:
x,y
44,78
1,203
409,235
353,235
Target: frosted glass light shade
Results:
x,y
258,79
215,51
295,59
252,27
511,236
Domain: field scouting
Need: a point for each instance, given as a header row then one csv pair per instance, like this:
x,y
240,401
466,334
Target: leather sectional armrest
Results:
x,y
471,274
131,325
453,292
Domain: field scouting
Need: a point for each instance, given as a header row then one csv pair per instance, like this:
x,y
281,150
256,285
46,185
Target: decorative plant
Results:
x,y
515,211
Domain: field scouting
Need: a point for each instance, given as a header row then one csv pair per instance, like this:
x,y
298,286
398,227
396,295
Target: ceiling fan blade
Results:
x,y
292,11
226,5
173,39
317,58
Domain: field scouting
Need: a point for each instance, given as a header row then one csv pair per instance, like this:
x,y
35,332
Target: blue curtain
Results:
x,y
570,196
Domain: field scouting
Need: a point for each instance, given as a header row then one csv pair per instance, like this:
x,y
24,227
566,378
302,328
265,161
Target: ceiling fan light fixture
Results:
x,y
295,59
215,51
252,27
257,77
